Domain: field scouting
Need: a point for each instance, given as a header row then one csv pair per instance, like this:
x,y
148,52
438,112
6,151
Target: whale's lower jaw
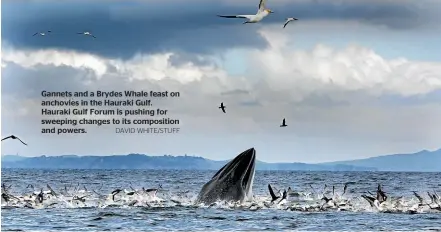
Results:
x,y
233,182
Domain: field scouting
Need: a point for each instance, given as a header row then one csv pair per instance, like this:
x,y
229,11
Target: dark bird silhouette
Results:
x,y
381,195
420,199
155,190
5,197
372,201
273,196
283,123
14,137
326,199
345,188
40,197
285,194
222,107
115,192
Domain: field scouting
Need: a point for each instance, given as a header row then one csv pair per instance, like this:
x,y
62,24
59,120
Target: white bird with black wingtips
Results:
x,y
41,33
262,12
289,20
87,33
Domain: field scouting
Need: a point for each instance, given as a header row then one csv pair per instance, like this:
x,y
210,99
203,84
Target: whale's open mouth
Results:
x,y
248,178
234,181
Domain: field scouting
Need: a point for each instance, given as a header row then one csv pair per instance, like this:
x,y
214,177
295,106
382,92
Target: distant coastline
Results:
x,y
423,161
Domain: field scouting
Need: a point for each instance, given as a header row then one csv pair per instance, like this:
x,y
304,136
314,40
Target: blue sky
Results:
x,y
354,78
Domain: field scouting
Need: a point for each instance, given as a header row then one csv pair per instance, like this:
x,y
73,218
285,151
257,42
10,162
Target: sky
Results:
x,y
353,78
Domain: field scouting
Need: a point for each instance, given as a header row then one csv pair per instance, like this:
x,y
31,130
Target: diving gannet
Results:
x,y
262,12
273,196
372,201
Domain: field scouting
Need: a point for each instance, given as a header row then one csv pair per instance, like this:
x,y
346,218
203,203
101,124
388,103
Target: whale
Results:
x,y
233,182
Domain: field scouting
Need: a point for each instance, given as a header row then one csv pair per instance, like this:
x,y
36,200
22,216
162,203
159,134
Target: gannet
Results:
x,y
273,196
381,196
262,12
41,33
283,123
288,20
329,202
345,188
222,107
372,201
283,200
86,33
14,137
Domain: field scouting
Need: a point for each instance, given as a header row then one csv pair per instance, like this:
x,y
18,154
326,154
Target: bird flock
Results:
x,y
45,33
261,13
289,200
223,107
77,197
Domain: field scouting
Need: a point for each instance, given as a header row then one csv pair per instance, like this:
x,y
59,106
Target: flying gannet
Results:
x,y
261,13
288,20
222,107
41,33
86,33
14,137
283,123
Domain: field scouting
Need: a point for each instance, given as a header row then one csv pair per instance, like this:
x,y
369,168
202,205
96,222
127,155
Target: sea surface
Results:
x,y
179,189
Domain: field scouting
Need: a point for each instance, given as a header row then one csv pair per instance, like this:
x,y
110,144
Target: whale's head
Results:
x,y
233,182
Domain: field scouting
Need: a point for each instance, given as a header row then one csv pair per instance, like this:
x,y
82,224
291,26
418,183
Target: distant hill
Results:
x,y
423,161
140,161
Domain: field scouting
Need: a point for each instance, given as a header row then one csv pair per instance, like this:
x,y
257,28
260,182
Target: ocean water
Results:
x,y
176,211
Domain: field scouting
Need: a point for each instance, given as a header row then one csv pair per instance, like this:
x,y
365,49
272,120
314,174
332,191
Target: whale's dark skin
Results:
x,y
233,182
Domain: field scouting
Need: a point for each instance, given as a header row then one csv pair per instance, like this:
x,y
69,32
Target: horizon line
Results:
x,y
194,156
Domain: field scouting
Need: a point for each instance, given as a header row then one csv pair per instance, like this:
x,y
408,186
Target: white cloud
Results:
x,y
353,68
323,93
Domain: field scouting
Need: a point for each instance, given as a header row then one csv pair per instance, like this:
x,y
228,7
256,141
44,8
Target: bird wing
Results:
x,y
369,199
313,189
430,196
286,23
419,197
35,34
22,141
7,137
436,194
261,5
273,196
93,36
50,189
235,16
